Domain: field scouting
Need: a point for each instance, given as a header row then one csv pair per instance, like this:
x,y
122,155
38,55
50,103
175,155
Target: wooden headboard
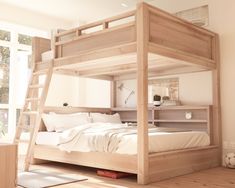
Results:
x,y
173,116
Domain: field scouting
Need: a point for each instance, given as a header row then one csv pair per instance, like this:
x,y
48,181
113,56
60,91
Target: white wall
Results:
x,y
63,89
194,88
222,16
94,93
178,5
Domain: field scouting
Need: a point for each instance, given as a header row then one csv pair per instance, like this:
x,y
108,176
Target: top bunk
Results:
x,y
108,48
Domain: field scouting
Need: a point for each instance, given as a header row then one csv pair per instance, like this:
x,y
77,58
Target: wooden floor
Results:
x,y
212,178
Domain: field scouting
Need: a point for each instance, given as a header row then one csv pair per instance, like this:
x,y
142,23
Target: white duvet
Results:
x,y
122,139
101,137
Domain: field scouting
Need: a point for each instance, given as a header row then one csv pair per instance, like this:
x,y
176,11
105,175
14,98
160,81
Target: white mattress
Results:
x,y
158,141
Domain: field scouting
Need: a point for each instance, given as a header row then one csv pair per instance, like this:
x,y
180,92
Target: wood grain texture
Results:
x,y
182,162
216,117
39,45
173,117
170,37
167,32
104,160
103,40
8,165
142,17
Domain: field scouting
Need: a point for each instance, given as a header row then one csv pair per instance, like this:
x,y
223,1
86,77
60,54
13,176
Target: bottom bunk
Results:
x,y
101,140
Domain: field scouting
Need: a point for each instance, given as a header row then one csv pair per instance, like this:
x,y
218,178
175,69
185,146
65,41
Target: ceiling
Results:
x,y
77,11
84,11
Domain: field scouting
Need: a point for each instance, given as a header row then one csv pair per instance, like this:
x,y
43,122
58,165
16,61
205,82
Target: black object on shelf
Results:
x,y
65,104
156,100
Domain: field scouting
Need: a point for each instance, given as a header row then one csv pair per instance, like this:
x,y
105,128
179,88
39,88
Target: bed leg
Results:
x,y
142,17
142,179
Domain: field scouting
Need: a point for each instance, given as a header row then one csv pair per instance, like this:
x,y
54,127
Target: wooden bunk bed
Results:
x,y
143,43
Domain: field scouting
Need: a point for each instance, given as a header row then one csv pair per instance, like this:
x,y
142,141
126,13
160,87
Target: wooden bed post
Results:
x,y
113,94
217,128
142,31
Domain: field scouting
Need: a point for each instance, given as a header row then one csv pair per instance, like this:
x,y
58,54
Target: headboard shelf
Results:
x,y
179,121
117,109
172,116
181,107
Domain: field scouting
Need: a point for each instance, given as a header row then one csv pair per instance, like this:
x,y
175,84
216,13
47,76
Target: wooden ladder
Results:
x,y
31,114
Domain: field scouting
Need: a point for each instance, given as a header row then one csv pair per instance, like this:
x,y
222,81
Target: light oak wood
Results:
x,y
156,43
96,41
167,32
142,17
166,36
70,109
108,20
8,165
112,161
113,93
173,117
216,117
163,165
182,162
181,55
39,46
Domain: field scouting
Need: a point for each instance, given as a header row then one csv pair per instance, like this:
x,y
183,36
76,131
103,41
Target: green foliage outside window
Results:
x,y
4,55
5,35
24,39
3,121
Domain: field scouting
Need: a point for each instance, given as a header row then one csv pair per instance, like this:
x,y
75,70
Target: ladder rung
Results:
x,y
30,112
21,140
26,127
36,86
32,99
39,72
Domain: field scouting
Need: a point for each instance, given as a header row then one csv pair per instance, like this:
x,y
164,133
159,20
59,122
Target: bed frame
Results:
x,y
143,43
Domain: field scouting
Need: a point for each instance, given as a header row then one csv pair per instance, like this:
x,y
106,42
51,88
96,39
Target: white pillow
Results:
x,y
61,122
105,118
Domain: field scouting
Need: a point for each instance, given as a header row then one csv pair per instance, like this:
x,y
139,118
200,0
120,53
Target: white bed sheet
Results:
x,y
158,141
